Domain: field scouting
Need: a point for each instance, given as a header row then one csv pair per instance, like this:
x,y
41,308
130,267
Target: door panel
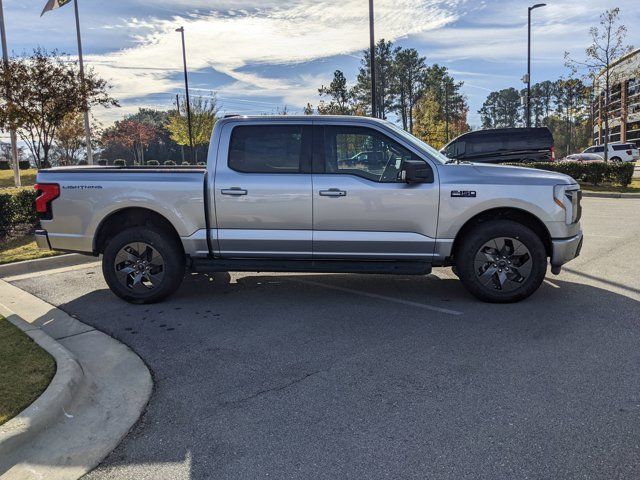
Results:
x,y
259,212
372,214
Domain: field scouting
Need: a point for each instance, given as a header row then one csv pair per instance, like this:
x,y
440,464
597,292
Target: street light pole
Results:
x,y
372,60
186,86
12,133
178,108
537,5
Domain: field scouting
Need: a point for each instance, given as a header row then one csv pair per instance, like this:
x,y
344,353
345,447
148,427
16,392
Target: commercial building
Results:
x,y
624,116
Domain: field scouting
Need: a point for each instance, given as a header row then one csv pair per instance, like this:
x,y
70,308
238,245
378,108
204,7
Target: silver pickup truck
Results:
x,y
314,194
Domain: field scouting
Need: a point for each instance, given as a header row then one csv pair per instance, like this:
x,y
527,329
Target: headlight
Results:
x,y
568,197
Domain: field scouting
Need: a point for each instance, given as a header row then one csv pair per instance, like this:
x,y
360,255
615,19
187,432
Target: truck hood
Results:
x,y
520,175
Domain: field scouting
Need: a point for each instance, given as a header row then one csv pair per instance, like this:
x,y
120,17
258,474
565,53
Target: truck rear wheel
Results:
x,y
143,264
502,262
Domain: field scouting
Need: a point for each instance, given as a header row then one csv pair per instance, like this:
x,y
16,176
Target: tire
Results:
x,y
508,277
143,264
616,160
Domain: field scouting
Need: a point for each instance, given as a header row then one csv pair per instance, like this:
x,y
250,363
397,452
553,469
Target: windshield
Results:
x,y
433,153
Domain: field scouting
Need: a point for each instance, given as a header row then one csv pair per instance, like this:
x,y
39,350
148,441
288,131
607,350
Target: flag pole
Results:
x,y
12,132
87,125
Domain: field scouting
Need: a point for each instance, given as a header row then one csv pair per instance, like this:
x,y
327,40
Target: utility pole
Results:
x,y
372,60
537,5
178,108
87,125
186,86
12,133
446,111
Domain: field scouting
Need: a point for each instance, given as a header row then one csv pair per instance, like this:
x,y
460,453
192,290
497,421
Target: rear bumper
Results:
x,y
42,240
566,249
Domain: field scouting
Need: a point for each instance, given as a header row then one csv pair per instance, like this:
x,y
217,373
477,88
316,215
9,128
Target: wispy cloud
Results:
x,y
276,33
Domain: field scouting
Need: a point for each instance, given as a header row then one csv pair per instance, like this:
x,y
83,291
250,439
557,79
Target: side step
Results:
x,y
309,266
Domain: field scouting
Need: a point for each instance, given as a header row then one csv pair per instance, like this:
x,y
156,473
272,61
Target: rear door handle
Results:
x,y
333,192
233,191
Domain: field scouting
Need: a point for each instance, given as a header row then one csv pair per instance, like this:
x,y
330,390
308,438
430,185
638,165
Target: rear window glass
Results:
x,y
626,146
266,149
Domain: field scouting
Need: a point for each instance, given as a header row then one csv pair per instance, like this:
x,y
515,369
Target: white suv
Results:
x,y
618,152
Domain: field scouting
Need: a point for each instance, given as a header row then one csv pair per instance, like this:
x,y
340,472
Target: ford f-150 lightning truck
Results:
x,y
314,194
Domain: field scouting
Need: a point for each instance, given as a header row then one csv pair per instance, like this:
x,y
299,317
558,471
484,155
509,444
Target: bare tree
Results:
x,y
607,45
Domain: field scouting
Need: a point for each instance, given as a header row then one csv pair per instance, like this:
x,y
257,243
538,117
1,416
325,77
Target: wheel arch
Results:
x,y
128,217
504,213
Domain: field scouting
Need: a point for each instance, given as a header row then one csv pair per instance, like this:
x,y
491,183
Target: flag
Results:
x,y
53,4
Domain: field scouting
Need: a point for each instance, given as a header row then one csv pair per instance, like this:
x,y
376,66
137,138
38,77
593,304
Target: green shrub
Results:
x,y
153,163
6,213
169,163
102,162
83,162
593,173
24,165
185,164
5,165
202,164
24,207
621,173
119,162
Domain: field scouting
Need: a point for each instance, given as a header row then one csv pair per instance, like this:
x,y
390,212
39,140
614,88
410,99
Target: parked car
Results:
x,y
277,196
583,157
503,145
618,152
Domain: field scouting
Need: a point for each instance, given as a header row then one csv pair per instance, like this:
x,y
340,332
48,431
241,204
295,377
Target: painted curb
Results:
x,y
49,406
610,195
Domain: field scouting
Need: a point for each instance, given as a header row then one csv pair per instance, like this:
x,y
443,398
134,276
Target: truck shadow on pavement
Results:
x,y
304,376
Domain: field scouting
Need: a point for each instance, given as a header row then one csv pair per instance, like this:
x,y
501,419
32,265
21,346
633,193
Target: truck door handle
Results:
x,y
233,191
333,192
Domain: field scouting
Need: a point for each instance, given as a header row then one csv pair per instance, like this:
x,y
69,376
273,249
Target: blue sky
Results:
x,y
262,55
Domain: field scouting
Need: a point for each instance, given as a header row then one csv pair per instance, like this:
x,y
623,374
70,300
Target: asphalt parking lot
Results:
x,y
350,376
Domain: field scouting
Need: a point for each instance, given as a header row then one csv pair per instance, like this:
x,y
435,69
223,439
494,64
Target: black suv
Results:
x,y
503,145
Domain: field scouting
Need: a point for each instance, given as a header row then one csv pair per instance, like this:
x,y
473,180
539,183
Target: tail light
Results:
x,y
553,154
47,193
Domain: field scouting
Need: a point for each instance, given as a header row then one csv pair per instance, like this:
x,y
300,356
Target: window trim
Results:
x,y
306,148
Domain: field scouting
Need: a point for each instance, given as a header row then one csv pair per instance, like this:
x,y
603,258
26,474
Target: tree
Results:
x,y
339,94
70,139
204,114
607,45
571,98
408,83
501,109
384,79
429,123
42,89
132,135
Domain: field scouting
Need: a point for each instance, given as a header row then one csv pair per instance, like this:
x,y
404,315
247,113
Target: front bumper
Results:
x,y
566,249
42,240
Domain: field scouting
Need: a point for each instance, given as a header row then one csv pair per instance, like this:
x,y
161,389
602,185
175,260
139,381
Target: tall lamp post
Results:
x,y
537,5
186,86
372,60
12,133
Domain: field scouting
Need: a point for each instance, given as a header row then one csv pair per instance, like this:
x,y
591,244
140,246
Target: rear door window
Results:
x,y
269,149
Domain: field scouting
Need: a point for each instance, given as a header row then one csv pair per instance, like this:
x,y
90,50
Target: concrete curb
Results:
x,y
42,264
102,390
610,195
59,395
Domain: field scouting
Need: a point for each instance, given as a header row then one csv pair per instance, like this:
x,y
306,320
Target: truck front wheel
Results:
x,y
143,264
501,261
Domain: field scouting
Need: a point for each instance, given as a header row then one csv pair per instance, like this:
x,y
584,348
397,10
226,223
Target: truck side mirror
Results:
x,y
416,171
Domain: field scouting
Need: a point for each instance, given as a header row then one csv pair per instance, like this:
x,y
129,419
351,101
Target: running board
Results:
x,y
309,266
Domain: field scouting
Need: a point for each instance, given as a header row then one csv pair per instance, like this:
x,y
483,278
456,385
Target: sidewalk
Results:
x,y
99,391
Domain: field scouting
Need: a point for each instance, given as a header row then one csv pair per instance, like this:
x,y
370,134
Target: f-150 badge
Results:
x,y
463,193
